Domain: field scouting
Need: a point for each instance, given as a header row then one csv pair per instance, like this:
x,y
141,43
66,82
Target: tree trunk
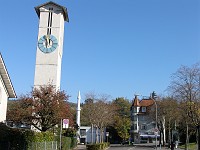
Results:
x,y
169,136
160,141
97,136
92,134
198,133
100,135
164,136
187,137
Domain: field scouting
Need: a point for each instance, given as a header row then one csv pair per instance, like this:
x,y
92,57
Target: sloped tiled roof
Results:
x,y
146,102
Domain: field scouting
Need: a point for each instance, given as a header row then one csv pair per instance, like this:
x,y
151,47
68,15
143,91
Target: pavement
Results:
x,y
80,147
136,146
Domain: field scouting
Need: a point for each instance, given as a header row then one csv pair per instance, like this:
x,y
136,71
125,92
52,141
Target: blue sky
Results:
x,y
114,47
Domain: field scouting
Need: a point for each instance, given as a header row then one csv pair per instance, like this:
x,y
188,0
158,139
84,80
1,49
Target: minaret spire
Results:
x,y
78,116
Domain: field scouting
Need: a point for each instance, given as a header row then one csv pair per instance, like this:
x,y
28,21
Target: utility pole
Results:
x,y
156,128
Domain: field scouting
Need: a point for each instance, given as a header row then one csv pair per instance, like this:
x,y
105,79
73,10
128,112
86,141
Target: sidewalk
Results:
x,y
80,147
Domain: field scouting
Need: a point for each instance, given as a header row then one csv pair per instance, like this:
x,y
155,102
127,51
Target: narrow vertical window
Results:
x,y
135,126
49,21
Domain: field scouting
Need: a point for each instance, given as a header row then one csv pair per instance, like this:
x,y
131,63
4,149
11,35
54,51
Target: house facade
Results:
x,y
142,124
89,135
6,89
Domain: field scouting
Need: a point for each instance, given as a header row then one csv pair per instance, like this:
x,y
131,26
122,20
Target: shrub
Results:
x,y
15,139
73,142
99,146
67,142
43,136
18,139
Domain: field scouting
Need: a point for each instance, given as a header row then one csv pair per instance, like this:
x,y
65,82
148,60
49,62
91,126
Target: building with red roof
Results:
x,y
142,124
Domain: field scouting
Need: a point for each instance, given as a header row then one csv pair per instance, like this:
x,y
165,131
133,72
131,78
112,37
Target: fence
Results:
x,y
6,145
44,146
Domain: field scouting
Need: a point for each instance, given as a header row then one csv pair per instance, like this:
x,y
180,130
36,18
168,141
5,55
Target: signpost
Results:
x,y
64,123
156,134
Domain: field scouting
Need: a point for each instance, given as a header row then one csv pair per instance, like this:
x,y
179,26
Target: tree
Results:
x,y
167,115
123,107
42,108
122,118
123,126
185,87
98,112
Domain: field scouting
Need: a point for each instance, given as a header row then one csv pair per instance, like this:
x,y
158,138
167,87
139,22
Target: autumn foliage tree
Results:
x,y
185,87
43,108
167,115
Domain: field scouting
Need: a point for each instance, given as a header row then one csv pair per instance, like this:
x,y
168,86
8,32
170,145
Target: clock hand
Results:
x,y
47,40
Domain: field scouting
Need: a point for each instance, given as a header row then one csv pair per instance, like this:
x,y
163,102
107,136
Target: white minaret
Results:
x,y
52,18
78,116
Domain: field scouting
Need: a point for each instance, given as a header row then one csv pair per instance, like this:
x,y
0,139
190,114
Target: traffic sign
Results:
x,y
65,123
156,130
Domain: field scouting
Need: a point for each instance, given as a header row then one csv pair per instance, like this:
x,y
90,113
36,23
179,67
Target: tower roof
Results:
x,y
64,9
136,101
6,79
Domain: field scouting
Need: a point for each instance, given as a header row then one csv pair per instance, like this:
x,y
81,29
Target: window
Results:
x,y
135,126
143,109
83,132
134,118
143,127
142,117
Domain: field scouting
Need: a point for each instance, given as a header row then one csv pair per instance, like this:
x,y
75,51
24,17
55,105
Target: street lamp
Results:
x,y
156,129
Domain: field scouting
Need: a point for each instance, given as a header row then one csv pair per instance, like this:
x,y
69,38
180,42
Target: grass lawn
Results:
x,y
191,146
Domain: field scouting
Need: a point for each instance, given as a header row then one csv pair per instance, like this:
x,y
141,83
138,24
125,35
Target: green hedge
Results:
x,y
73,142
15,139
99,146
43,137
67,142
20,139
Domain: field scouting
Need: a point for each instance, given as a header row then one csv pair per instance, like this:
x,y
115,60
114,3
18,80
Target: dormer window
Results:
x,y
144,109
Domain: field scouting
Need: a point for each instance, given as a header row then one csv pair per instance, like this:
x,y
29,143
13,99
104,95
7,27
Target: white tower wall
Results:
x,y
48,65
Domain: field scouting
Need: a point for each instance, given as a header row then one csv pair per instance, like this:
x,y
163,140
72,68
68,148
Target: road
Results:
x,y
135,147
127,147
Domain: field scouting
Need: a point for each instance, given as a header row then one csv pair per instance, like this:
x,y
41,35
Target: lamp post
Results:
x,y
153,97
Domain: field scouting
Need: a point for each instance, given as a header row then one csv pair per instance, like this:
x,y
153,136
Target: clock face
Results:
x,y
47,43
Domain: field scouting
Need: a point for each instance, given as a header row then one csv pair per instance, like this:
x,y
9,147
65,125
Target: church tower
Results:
x,y
50,44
